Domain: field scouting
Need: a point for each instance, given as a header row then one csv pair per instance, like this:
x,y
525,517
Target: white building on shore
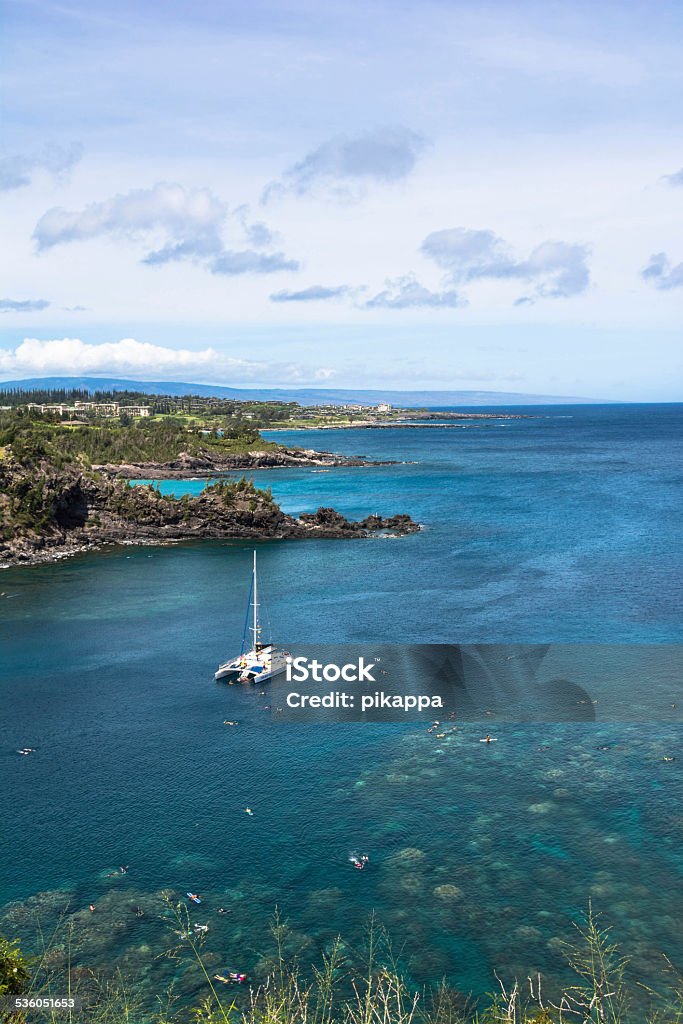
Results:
x,y
105,409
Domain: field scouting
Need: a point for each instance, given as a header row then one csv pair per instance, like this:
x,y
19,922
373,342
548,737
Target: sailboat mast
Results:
x,y
256,628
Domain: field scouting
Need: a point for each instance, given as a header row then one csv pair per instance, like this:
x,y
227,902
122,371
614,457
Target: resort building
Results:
x,y
98,408
105,409
136,410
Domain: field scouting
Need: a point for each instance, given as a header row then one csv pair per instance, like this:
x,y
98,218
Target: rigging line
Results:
x,y
246,618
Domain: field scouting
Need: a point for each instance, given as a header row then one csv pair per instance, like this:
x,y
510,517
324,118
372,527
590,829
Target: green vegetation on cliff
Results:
x,y
54,504
46,501
64,486
46,476
113,441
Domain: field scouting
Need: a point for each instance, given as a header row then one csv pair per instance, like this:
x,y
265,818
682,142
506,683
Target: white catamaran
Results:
x,y
264,660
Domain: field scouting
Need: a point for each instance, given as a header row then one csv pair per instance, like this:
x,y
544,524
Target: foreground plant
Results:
x,y
336,992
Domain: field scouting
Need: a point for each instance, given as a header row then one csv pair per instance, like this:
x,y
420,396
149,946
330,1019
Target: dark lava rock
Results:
x,y
49,512
209,464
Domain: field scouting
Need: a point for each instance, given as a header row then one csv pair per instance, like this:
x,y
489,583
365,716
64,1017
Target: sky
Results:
x,y
436,195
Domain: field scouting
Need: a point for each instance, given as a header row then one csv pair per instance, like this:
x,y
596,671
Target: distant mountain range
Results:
x,y
304,396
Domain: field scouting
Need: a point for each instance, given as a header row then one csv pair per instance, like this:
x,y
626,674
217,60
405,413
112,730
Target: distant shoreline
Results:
x,y
434,420
190,467
369,425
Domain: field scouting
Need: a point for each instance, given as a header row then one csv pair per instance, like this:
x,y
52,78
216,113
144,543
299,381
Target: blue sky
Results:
x,y
355,194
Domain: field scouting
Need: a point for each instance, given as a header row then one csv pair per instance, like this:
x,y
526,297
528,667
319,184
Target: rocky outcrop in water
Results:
x,y
208,464
49,512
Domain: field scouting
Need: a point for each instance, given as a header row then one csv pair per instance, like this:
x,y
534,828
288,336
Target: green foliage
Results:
x,y
48,491
44,396
29,505
337,992
600,993
115,441
229,490
201,408
14,969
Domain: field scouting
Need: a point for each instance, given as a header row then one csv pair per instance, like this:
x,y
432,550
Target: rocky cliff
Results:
x,y
208,463
49,512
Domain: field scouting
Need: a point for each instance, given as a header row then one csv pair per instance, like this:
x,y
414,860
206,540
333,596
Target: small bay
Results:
x,y
564,526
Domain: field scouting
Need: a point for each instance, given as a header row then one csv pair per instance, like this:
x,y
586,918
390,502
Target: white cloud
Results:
x,y
398,293
385,154
675,179
407,292
248,261
191,217
662,274
141,360
17,171
314,293
189,222
72,355
23,305
558,269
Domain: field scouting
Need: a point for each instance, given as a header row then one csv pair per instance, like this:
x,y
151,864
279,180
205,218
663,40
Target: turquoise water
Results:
x,y
564,527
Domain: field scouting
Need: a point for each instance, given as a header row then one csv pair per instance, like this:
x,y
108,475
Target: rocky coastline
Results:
x,y
415,420
206,464
48,513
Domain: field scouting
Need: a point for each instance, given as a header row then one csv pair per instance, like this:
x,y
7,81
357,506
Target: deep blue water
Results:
x,y
561,527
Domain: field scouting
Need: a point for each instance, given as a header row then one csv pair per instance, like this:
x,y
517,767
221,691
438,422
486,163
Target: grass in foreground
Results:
x,y
332,993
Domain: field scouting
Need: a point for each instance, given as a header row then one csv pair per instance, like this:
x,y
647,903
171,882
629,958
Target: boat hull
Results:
x,y
260,677
226,672
253,667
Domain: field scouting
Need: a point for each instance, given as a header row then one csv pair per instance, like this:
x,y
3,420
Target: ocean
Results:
x,y
562,526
